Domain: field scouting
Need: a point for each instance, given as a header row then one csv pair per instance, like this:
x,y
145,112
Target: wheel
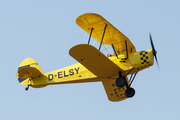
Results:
x,y
130,92
120,81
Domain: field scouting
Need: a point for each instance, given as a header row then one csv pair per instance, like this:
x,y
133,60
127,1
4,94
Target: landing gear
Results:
x,y
120,81
130,92
27,88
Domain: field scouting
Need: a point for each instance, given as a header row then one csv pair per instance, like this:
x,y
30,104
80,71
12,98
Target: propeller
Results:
x,y
154,50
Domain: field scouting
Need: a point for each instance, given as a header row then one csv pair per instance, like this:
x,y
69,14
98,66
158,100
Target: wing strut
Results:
x,y
102,36
115,51
126,49
123,59
90,36
131,79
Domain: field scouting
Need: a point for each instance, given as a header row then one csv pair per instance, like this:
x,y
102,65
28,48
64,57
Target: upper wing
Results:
x,y
94,60
112,35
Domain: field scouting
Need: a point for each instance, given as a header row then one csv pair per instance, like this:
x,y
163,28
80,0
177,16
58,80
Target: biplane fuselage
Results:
x,y
77,73
93,65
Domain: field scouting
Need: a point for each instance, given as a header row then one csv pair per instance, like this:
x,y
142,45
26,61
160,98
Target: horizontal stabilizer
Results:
x,y
29,72
28,69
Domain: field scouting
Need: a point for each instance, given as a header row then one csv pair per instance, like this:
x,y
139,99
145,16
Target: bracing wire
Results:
x,y
84,37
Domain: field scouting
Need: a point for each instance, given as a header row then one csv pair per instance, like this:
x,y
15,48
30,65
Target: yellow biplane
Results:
x,y
93,65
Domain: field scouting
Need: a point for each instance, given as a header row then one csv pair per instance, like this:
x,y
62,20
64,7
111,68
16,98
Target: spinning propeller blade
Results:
x,y
153,48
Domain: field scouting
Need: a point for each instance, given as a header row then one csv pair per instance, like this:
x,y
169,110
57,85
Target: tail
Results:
x,y
28,69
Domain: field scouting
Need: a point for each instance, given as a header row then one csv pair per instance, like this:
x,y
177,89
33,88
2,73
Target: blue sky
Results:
x,y
45,31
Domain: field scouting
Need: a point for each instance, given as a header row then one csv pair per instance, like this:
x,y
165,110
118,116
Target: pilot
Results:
x,y
109,55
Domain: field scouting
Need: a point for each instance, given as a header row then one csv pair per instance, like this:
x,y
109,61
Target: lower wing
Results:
x,y
94,60
113,92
